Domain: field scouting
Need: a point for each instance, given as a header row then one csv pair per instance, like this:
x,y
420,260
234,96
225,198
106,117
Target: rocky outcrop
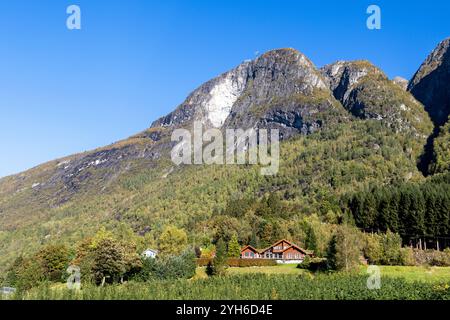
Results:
x,y
430,83
342,77
366,92
401,82
212,102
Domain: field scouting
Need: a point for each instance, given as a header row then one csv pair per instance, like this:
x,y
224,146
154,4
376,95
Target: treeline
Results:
x,y
412,210
105,258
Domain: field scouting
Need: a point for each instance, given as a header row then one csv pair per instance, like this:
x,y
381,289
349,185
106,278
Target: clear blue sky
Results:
x,y
65,91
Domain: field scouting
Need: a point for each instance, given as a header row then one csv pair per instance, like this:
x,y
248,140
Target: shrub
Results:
x,y
169,267
391,244
432,257
240,263
54,260
407,257
373,250
29,274
313,264
251,263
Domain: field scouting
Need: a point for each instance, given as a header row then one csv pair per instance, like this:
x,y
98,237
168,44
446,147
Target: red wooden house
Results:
x,y
282,250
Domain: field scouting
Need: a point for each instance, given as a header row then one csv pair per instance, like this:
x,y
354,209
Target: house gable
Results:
x,y
297,249
277,247
249,252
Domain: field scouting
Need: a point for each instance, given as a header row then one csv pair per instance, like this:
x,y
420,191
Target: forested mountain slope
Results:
x,y
345,128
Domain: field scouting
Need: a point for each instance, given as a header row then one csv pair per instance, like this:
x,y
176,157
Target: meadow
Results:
x,y
269,283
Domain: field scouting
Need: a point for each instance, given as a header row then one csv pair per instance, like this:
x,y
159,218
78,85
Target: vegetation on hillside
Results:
x,y
315,171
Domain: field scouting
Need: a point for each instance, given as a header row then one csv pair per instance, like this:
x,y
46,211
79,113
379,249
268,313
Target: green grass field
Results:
x,y
426,274
284,282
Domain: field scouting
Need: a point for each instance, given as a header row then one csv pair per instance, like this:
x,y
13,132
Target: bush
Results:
x,y
432,257
29,274
49,264
313,264
407,257
251,263
240,263
373,250
171,267
54,260
391,244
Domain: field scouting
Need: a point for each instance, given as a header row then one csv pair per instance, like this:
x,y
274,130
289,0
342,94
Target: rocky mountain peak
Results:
x,y
277,73
342,76
366,92
426,85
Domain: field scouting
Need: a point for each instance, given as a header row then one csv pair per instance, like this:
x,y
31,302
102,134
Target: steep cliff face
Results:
x,y
430,83
285,91
366,92
212,102
281,89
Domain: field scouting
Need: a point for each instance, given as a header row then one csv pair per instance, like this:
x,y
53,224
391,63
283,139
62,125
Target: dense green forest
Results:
x,y
412,210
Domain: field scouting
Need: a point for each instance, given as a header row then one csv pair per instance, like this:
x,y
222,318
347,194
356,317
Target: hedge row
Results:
x,y
235,262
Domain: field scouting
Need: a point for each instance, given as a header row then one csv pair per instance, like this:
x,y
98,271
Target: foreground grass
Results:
x,y
280,269
254,287
270,270
426,274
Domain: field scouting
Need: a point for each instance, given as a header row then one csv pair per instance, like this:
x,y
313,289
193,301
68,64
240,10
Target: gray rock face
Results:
x,y
344,77
401,82
430,83
211,103
366,92
281,89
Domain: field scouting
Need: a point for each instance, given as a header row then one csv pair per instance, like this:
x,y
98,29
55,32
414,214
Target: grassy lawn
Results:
x,y
280,269
426,274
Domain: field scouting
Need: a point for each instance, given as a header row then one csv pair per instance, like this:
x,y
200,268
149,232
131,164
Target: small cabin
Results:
x,y
150,254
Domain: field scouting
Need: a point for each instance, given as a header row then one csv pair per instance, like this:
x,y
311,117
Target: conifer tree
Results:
x,y
234,249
